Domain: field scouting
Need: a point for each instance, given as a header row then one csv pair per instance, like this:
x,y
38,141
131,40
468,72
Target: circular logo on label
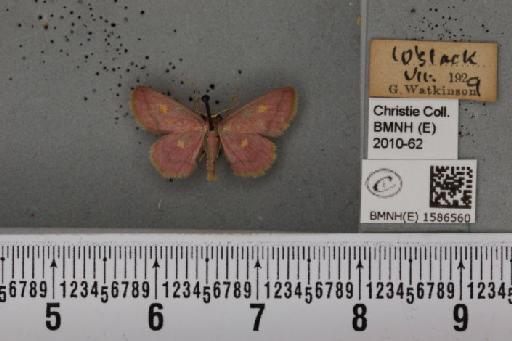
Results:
x,y
384,183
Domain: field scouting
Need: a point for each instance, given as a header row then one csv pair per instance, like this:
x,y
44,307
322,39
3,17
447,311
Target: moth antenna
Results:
x,y
235,103
206,101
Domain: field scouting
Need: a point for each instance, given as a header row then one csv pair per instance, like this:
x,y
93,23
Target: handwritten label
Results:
x,y
409,68
412,128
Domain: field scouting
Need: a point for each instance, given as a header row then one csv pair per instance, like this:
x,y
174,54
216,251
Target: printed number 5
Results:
x,y
53,319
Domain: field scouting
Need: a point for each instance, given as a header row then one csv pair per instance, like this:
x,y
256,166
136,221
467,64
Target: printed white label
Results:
x,y
410,128
418,191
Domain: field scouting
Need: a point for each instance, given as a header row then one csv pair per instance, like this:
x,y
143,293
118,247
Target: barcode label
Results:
x,y
451,187
418,191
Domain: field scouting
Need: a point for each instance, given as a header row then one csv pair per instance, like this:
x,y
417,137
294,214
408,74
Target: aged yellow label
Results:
x,y
409,68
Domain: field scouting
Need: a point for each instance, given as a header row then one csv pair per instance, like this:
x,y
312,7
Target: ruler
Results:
x,y
256,287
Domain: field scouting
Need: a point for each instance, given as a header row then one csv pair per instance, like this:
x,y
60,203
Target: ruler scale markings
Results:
x,y
166,263
481,264
146,262
257,266
216,262
390,270
349,264
399,263
369,264
454,261
471,263
441,264
359,268
298,263
155,267
238,263
23,262
319,264
309,268
501,262
12,262
63,265
329,264
430,263
33,263
288,263
508,257
186,262
491,272
461,268
115,263
380,262
93,261
227,262
74,262
197,263
450,263
2,259
421,264
246,261
134,262
176,262
277,264
125,262
268,263
206,261
339,263
43,266
410,270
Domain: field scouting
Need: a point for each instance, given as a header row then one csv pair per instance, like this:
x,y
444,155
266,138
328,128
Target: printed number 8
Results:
x,y
359,322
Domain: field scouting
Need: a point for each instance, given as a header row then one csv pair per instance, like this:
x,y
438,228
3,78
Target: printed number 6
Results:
x,y
155,318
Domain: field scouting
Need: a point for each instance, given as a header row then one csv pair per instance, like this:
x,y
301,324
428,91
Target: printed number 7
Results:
x,y
260,307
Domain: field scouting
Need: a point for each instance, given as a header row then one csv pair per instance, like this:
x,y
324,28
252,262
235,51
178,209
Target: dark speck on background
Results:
x,y
86,26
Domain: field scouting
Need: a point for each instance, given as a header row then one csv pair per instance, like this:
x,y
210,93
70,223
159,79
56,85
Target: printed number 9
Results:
x,y
460,315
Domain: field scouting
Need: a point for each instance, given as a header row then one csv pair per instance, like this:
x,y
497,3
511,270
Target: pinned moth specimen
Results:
x,y
242,134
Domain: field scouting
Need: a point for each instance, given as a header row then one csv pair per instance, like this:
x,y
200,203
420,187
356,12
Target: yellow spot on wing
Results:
x,y
244,143
262,108
163,108
180,144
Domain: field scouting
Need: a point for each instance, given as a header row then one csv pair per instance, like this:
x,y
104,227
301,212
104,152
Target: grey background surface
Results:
x,y
71,156
484,127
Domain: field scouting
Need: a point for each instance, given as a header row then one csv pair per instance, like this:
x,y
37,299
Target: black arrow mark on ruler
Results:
x,y
104,270
257,266
3,260
53,265
510,270
309,271
359,268
460,267
155,267
410,270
